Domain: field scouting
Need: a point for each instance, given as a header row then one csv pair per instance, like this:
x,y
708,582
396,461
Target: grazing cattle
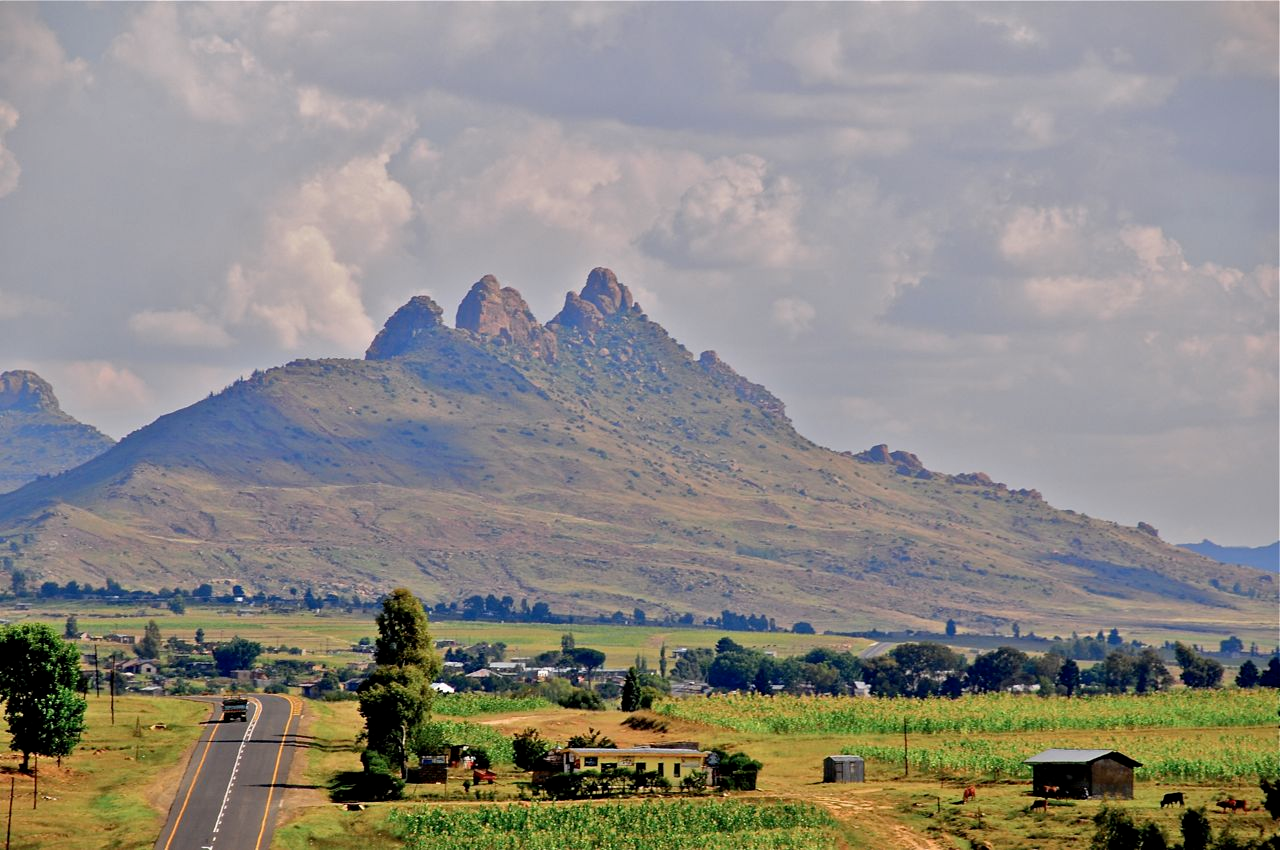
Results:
x,y
1052,791
1233,805
1173,798
970,793
1042,805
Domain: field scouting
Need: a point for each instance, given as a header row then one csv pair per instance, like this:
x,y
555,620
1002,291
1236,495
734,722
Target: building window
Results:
x,y
640,767
591,761
662,769
613,765
675,770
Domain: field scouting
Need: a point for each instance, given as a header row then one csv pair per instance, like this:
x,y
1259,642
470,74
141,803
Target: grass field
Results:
x,y
113,793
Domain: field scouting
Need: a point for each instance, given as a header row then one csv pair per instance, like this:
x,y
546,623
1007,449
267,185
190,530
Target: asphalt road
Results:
x,y
230,794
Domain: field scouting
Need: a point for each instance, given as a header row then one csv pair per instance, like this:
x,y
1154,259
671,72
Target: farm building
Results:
x,y
843,769
1083,773
670,762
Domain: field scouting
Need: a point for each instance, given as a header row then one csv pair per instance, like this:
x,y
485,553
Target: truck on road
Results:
x,y
235,708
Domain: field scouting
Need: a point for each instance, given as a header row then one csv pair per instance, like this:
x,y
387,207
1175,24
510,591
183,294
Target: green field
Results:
x,y
682,825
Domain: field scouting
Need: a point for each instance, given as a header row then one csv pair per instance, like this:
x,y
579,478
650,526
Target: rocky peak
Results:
x,y
399,335
602,297
605,293
752,393
494,312
23,390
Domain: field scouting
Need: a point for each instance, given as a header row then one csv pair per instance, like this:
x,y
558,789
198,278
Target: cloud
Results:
x,y
15,305
179,327
31,58
10,171
305,280
738,215
102,384
793,315
216,78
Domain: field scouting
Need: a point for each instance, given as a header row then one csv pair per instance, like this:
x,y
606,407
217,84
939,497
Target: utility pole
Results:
x,y
113,692
35,792
8,830
97,683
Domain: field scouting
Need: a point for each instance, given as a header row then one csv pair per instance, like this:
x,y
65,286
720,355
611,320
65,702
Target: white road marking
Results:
x,y
226,798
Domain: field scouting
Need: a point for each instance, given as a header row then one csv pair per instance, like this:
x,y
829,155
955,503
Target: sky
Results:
x,y
1039,241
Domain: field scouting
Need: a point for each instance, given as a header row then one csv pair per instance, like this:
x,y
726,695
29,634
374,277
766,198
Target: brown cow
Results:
x,y
970,793
1042,805
1052,791
1173,798
1233,805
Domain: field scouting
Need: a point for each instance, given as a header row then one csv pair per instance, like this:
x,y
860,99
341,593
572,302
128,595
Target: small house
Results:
x,y
1083,773
674,763
843,769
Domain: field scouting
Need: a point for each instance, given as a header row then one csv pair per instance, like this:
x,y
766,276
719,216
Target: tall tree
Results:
x,y
72,629
1270,677
1149,672
631,690
1069,676
39,674
1197,671
924,665
403,636
1248,675
149,646
998,669
395,700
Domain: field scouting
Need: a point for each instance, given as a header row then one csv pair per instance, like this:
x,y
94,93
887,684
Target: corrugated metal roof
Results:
x,y
633,751
1059,756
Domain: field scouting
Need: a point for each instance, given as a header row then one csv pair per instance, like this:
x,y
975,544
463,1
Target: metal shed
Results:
x,y
843,769
1083,773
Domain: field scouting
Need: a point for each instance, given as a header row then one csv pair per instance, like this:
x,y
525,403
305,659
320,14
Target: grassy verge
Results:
x,y
114,792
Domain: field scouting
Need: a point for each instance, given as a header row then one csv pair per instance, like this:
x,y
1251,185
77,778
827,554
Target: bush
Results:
x,y
528,748
582,699
379,780
481,756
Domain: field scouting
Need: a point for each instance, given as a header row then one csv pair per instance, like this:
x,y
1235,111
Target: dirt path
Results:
x,y
872,817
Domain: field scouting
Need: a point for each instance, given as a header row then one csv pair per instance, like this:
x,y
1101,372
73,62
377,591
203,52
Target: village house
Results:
x,y
673,763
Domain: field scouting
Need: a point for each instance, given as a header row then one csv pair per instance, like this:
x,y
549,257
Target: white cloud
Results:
x,y
10,171
217,79
14,305
102,384
738,215
179,327
793,315
305,280
31,58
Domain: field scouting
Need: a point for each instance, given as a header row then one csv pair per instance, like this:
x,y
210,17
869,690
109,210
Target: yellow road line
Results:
x,y
192,787
295,710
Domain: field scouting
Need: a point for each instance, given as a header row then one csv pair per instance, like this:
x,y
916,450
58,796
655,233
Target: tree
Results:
x,y
566,643
923,665
236,654
728,644
802,628
734,671
528,748
1197,671
951,628
403,638
1116,830
631,691
1248,676
72,629
1149,671
1069,676
1270,796
662,661
998,669
1270,677
39,674
587,658
1196,832
1231,645
395,700
178,605
149,646
199,637
1117,672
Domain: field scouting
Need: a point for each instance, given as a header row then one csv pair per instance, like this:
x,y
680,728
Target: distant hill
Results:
x,y
36,437
1262,557
595,464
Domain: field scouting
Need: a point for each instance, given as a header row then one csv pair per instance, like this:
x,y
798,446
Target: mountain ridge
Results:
x,y
607,470
37,437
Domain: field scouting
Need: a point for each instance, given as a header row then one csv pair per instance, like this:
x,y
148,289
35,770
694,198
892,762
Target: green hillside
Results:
x,y
595,464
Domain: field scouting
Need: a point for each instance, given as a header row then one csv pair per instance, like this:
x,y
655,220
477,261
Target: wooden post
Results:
x,y
113,692
906,764
8,830
97,682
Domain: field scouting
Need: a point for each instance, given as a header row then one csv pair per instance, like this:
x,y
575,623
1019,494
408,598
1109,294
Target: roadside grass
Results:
x,y
114,791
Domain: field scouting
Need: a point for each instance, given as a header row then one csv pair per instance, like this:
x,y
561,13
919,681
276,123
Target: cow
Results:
x,y
1052,791
970,793
1173,798
1042,805
1233,805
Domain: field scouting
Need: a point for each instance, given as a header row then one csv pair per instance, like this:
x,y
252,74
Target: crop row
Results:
x,y
497,745
978,713
1222,758
469,704
682,825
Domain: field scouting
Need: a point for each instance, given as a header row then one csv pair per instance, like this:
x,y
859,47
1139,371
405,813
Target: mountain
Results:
x,y
595,464
36,436
1260,557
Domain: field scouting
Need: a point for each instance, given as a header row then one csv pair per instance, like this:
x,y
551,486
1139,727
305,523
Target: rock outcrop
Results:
x,y
751,393
493,312
904,463
403,331
601,298
23,390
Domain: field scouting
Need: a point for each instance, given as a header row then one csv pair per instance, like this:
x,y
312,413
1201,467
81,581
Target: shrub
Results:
x,y
582,699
